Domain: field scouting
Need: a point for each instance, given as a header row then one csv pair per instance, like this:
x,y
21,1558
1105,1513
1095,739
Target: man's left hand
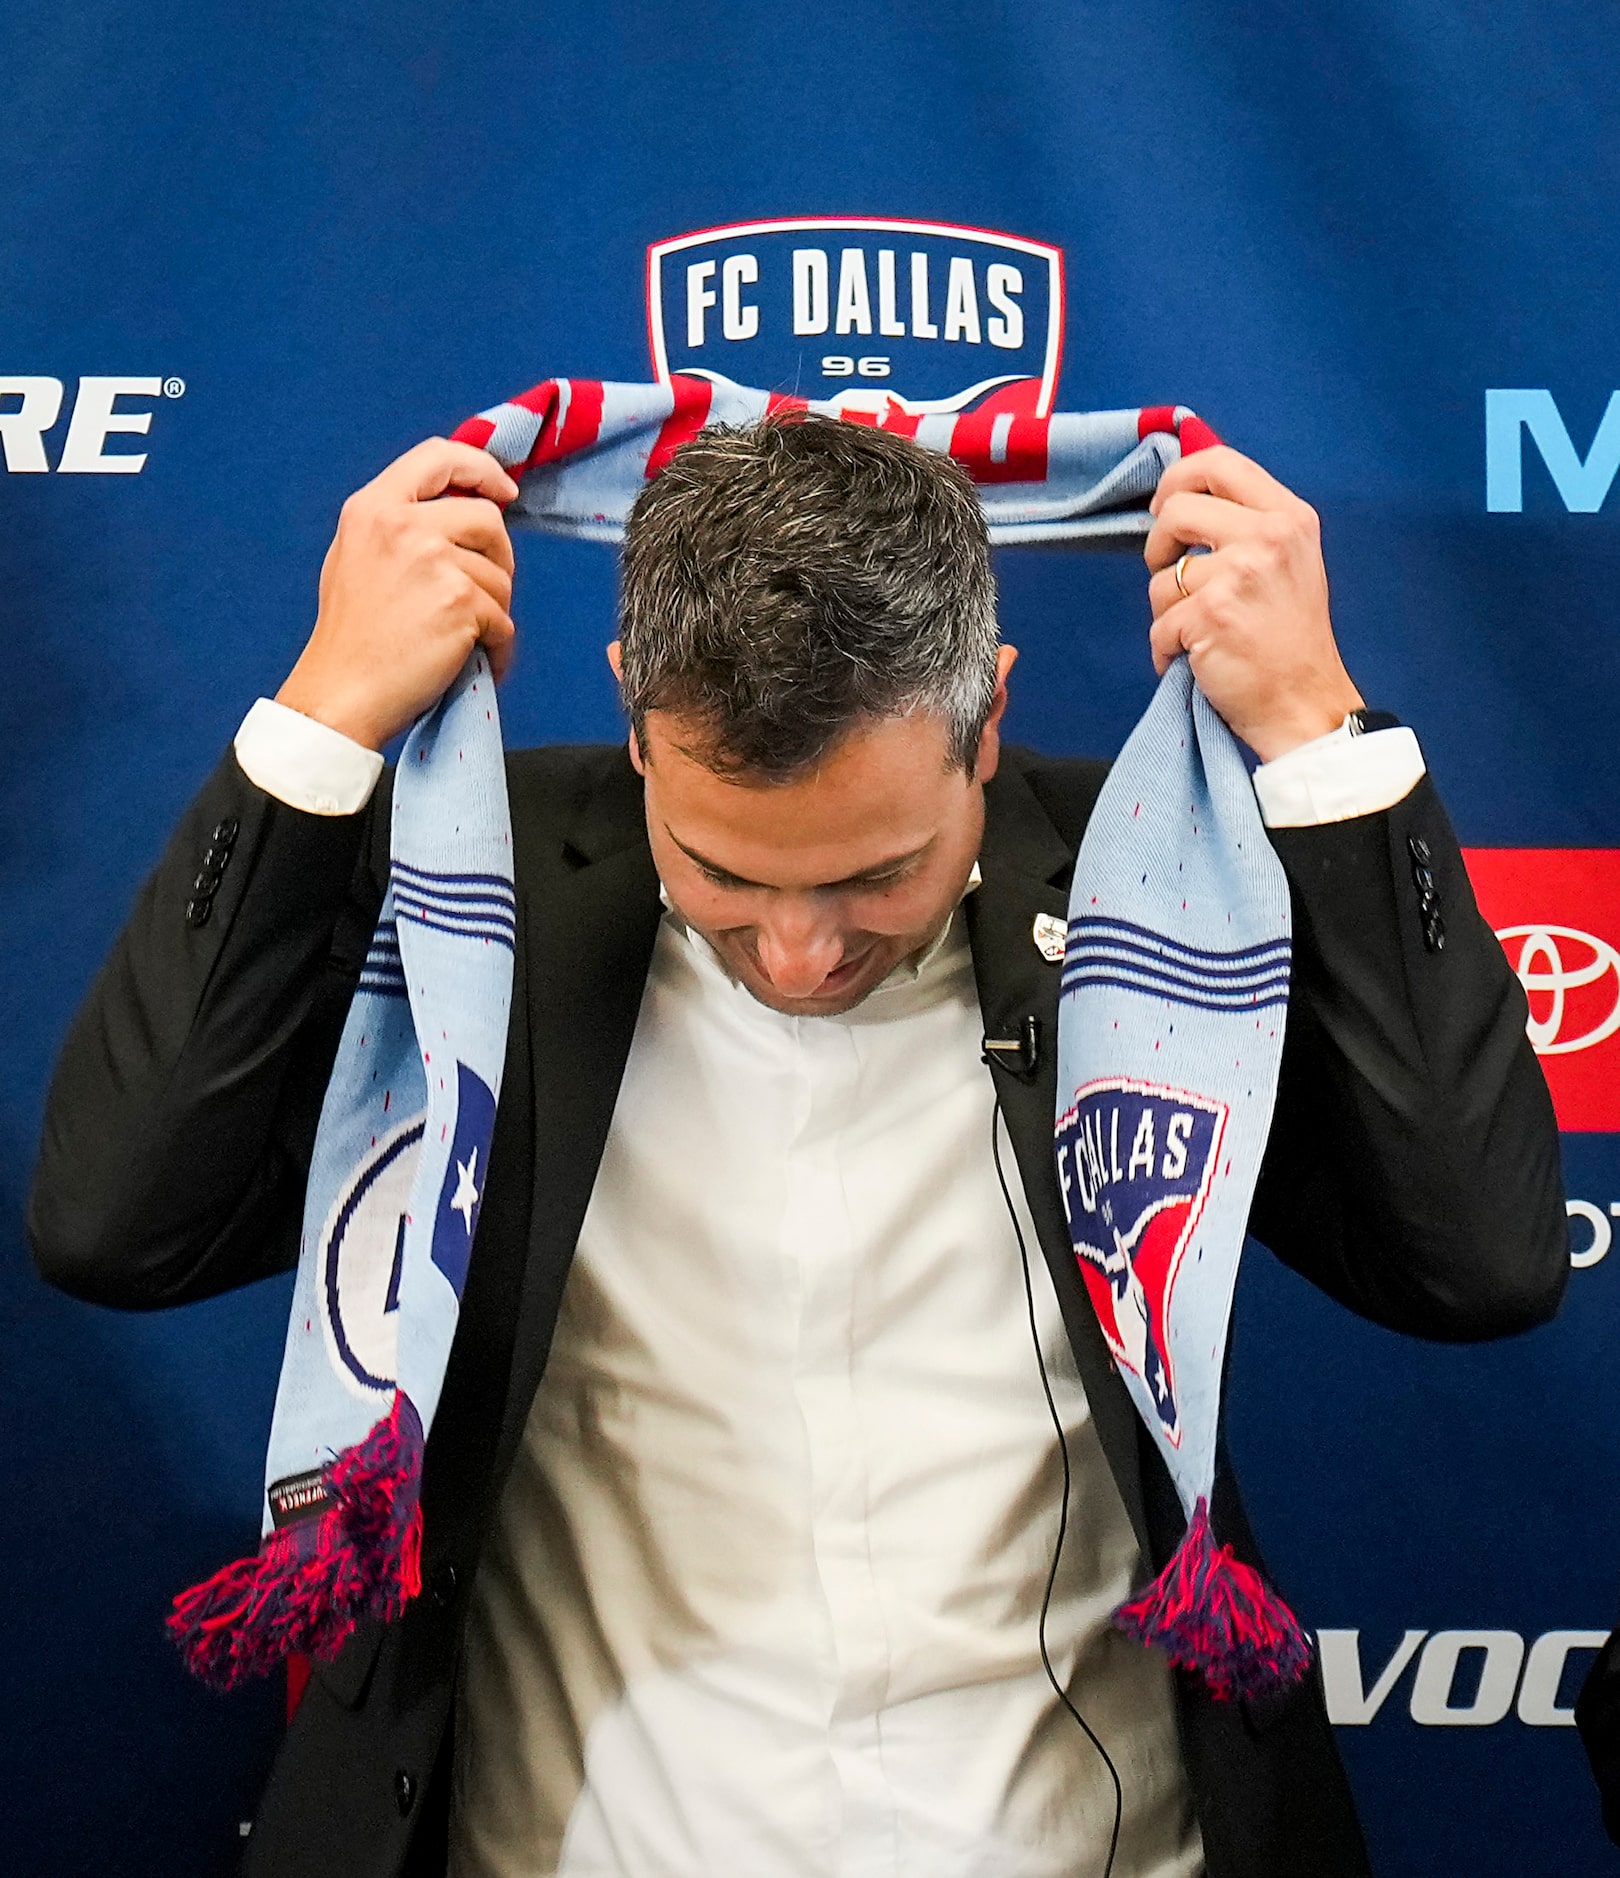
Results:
x,y
1255,624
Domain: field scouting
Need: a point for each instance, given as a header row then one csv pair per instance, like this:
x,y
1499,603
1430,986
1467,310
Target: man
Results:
x,y
742,1504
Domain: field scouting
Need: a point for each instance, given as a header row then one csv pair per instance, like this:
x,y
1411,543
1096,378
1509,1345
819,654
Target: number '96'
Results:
x,y
841,365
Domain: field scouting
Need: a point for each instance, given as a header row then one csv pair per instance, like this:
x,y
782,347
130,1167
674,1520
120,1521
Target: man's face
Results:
x,y
813,890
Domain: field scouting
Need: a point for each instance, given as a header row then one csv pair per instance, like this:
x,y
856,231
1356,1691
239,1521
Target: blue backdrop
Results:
x,y
319,232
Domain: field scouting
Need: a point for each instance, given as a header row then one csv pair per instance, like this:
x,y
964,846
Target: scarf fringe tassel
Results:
x,y
1212,1614
310,1583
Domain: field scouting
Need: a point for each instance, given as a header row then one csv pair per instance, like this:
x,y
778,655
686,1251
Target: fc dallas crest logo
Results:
x,y
867,312
1135,1162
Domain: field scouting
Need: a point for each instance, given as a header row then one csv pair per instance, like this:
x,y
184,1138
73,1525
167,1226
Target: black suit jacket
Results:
x,y
1412,1173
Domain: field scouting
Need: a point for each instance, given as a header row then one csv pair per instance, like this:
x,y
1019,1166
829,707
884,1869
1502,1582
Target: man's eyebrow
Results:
x,y
875,871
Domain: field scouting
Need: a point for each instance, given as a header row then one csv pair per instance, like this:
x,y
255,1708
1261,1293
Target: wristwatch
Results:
x,y
1358,723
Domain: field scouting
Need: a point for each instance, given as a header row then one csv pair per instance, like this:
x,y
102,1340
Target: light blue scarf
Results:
x,y
1170,1034
1170,1031
395,1188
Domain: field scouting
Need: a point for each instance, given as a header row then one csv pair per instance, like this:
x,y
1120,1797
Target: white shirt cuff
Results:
x,y
1338,776
303,763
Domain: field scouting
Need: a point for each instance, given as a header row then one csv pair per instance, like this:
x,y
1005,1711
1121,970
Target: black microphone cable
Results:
x,y
996,1123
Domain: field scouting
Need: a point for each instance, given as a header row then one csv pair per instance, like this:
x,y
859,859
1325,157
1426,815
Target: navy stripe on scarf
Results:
x,y
1129,957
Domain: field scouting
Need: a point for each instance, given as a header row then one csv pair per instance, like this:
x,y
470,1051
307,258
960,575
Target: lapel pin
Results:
x,y
1051,936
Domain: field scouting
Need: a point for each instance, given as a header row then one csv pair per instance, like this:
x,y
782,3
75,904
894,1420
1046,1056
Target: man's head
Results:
x,y
809,658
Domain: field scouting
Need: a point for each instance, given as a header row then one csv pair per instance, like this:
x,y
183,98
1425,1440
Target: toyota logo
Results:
x,y
1556,960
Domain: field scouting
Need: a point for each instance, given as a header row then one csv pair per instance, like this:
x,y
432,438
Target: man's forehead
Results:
x,y
877,799
910,749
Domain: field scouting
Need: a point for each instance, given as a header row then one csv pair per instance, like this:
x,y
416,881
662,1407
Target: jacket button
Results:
x,y
198,909
404,1791
225,832
217,854
1434,933
207,882
1419,850
443,1589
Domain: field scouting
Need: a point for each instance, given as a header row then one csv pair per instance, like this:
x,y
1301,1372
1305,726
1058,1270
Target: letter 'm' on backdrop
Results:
x,y
246,261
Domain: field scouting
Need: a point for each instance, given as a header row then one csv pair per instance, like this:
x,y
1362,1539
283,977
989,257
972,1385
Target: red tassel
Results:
x,y
310,1583
377,1487
1211,1613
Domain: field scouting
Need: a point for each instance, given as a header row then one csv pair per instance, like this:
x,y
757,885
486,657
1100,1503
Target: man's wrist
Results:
x,y
350,718
1305,722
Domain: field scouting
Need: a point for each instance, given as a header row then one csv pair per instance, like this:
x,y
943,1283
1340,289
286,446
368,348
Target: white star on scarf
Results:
x,y
466,1194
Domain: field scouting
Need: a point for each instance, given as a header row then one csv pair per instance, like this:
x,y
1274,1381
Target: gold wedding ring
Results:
x,y
1181,576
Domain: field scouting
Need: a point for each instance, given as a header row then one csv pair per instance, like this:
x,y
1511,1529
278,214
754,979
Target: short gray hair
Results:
x,y
785,582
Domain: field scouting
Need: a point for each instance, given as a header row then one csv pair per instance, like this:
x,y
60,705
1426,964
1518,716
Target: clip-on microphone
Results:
x,y
1018,1055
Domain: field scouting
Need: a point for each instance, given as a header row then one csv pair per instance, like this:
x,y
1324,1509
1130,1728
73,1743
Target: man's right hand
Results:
x,y
414,579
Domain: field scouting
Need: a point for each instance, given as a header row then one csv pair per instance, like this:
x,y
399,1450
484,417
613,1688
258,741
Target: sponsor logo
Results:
x,y
861,311
1457,1678
1582,483
1598,1224
1135,1163
1560,961
102,408
1557,913
361,1260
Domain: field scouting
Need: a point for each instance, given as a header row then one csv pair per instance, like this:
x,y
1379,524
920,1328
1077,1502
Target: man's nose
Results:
x,y
797,947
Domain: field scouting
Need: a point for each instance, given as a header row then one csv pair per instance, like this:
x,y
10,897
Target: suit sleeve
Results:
x,y
180,1120
1413,1168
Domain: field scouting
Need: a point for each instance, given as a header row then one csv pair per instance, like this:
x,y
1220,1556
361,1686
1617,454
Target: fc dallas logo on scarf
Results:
x,y
1135,1163
1176,978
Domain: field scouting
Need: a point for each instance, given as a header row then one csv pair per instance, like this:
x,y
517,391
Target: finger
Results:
x,y
1198,521
437,465
496,633
1165,640
494,580
499,640
471,522
1222,471
1164,593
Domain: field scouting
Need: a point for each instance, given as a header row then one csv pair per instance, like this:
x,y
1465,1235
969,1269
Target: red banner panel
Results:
x,y
1557,914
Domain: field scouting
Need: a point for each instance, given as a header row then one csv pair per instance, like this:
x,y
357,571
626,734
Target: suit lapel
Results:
x,y
1025,867
591,911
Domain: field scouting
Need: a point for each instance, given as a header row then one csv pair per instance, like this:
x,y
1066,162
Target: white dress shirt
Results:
x,y
763,1590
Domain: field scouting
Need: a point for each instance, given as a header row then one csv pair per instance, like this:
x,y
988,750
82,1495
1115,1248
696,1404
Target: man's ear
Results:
x,y
615,658
988,759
